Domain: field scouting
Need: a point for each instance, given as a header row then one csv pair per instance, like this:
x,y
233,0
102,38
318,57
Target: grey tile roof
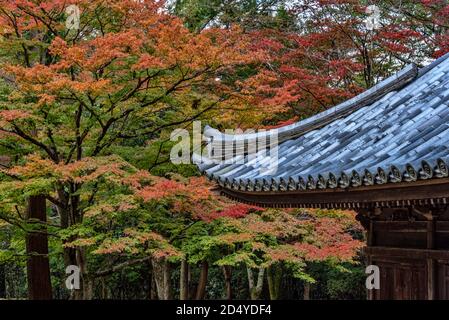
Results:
x,y
395,132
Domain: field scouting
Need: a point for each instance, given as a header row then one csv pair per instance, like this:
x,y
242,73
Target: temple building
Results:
x,y
383,154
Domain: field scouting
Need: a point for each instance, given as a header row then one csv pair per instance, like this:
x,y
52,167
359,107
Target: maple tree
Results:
x,y
71,96
272,240
329,54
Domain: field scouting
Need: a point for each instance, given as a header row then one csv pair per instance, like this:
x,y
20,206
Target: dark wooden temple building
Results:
x,y
384,154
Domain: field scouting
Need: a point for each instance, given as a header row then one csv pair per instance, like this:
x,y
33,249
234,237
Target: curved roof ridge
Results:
x,y
375,93
432,65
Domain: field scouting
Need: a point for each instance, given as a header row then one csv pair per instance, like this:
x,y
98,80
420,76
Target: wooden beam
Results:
x,y
38,267
432,192
400,226
407,253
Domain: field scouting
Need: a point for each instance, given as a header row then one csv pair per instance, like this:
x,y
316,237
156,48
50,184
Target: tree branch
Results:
x,y
117,267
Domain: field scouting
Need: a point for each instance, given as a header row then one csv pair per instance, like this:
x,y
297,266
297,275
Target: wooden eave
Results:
x,y
432,192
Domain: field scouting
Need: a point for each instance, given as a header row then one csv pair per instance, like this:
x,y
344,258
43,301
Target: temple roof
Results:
x,y
395,132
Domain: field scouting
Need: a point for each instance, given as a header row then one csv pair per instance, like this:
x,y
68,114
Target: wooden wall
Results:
x,y
411,248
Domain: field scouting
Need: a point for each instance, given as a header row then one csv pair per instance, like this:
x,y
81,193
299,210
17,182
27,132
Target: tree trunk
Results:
x,y
201,289
104,289
161,272
2,281
192,285
306,291
86,292
228,286
153,289
66,221
274,277
88,288
184,281
152,294
38,266
255,289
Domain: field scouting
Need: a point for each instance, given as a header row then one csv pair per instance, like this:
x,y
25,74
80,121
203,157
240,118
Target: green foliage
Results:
x,y
338,281
251,14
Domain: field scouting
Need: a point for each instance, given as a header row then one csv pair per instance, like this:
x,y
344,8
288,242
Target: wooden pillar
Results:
x,y
366,219
370,243
431,265
38,267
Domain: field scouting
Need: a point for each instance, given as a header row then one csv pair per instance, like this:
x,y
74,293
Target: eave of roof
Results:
x,y
395,82
432,192
422,95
